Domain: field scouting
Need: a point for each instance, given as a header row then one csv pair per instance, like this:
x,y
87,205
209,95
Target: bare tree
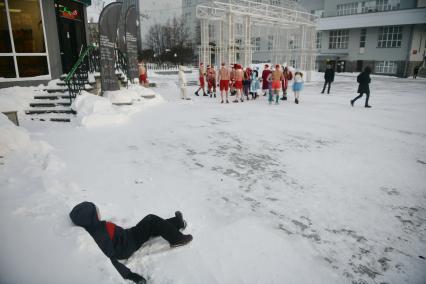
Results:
x,y
170,41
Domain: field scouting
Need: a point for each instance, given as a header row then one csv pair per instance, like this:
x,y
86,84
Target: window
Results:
x,y
318,13
347,9
368,6
386,67
255,42
318,40
379,6
211,31
362,37
338,39
187,3
239,28
270,42
22,46
5,43
294,41
390,37
387,5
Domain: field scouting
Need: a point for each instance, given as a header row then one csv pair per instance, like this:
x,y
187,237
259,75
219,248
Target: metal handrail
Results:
x,y
78,63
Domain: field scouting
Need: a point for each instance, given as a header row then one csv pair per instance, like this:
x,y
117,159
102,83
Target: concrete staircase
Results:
x,y
55,104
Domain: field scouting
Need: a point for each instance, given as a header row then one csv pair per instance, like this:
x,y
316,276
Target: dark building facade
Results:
x,y
40,39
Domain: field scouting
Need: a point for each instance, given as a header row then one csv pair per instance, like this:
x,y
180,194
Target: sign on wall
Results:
x,y
108,23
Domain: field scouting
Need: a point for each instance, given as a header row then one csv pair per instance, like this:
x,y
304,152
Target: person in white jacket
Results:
x,y
182,83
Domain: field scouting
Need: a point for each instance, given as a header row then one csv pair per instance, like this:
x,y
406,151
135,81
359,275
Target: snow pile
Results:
x,y
95,111
130,95
12,138
17,98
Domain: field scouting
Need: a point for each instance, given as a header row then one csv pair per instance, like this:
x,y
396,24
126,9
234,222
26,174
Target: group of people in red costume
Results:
x,y
240,82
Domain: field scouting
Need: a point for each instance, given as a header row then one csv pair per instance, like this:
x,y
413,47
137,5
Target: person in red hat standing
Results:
x,y
239,74
277,77
265,84
223,79
211,81
201,74
232,80
287,76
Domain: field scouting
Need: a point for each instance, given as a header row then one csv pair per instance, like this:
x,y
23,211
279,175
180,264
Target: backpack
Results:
x,y
358,79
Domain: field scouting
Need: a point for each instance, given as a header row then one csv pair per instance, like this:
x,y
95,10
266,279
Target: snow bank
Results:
x,y
17,98
12,138
95,111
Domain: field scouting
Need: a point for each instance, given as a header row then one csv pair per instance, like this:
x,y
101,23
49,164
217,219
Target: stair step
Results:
x,y
60,119
56,90
52,97
122,104
53,119
42,111
63,90
50,104
62,83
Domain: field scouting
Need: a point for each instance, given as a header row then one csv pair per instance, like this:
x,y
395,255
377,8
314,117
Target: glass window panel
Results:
x,y
27,26
5,45
7,67
30,66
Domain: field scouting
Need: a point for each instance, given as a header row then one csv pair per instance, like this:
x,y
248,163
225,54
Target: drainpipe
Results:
x,y
410,44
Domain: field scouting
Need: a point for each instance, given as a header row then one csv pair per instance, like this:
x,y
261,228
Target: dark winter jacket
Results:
x,y
329,75
114,241
364,80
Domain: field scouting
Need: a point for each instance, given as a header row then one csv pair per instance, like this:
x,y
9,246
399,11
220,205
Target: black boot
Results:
x,y
352,103
182,241
182,223
196,93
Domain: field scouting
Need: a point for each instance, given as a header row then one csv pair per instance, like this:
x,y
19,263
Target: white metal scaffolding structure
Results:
x,y
292,31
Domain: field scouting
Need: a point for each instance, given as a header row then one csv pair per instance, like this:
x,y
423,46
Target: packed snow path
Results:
x,y
318,192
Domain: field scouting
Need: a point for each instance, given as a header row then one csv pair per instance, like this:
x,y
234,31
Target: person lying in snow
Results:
x,y
118,243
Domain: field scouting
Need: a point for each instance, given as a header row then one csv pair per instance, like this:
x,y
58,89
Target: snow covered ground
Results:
x,y
318,192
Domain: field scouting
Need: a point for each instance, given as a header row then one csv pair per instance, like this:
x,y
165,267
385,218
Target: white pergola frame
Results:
x,y
284,22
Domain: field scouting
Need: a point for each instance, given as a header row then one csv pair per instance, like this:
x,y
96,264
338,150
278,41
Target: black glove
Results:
x,y
137,278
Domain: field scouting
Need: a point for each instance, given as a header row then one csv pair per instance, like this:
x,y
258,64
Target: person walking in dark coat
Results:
x,y
329,78
118,243
364,80
416,72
